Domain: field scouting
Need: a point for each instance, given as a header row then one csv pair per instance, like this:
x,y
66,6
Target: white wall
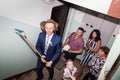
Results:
x,y
31,12
111,40
97,5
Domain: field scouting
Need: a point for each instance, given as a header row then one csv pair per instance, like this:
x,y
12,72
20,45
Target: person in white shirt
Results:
x,y
69,71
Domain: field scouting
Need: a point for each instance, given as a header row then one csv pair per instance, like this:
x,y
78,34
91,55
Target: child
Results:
x,y
97,64
69,71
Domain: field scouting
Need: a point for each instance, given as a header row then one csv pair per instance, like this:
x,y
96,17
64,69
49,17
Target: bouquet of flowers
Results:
x,y
66,47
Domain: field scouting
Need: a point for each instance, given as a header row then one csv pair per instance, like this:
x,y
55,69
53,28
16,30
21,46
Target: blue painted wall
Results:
x,y
15,55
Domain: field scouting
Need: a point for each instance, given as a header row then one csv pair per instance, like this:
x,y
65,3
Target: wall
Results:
x,y
15,55
31,12
96,5
111,40
109,7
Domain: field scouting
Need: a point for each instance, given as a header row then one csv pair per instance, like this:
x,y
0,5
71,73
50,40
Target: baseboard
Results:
x,y
19,75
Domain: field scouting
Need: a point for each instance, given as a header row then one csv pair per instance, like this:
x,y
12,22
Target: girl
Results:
x,y
92,46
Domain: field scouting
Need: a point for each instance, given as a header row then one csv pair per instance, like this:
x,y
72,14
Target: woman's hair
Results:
x,y
97,33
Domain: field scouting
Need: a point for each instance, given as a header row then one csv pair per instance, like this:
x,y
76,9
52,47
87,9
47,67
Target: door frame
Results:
x,y
114,68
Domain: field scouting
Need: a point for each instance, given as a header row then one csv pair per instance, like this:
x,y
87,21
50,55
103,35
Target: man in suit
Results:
x,y
49,45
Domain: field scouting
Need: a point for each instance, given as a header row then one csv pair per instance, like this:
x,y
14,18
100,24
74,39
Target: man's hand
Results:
x,y
49,63
43,59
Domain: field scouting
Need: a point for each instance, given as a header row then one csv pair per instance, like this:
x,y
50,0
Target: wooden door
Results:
x,y
59,14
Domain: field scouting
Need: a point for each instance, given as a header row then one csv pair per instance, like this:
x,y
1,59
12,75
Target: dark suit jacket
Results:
x,y
54,49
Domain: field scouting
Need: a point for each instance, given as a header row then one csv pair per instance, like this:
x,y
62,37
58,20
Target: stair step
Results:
x,y
28,76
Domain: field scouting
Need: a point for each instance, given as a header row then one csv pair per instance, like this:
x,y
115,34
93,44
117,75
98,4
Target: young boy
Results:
x,y
97,64
69,71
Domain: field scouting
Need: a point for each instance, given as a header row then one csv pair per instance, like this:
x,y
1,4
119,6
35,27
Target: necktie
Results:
x,y
71,72
46,45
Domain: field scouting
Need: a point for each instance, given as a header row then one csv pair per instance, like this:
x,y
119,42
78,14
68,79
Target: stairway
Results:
x,y
29,75
58,73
